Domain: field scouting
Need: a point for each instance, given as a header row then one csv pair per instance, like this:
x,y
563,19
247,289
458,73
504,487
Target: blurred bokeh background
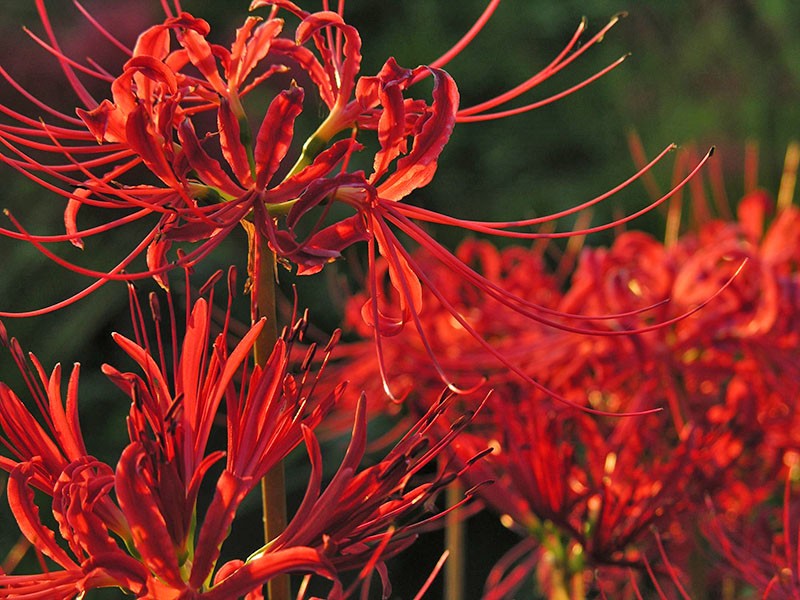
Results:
x,y
703,72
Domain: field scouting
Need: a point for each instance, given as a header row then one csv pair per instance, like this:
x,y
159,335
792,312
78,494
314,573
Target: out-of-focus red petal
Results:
x,y
752,212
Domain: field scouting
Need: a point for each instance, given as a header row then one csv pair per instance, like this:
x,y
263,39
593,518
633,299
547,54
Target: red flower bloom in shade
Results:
x,y
212,181
585,488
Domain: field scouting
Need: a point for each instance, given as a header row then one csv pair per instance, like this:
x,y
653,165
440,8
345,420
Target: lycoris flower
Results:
x,y
149,500
761,547
137,525
209,180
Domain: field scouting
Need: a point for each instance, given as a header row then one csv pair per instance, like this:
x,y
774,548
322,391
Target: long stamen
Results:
x,y
475,118
497,227
103,31
464,41
90,288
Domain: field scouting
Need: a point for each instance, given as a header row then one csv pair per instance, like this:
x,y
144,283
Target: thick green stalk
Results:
x,y
273,487
455,567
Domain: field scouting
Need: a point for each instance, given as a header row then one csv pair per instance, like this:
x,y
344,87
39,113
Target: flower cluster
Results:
x,y
138,526
583,489
179,116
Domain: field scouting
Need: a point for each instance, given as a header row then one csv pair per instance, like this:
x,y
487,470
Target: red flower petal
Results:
x,y
276,132
26,513
416,169
140,504
231,143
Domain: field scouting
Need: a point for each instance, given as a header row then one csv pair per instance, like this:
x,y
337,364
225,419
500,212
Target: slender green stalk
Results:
x,y
455,567
273,486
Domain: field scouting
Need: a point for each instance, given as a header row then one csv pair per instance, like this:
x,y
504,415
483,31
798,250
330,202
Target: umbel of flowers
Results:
x,y
136,525
586,492
176,117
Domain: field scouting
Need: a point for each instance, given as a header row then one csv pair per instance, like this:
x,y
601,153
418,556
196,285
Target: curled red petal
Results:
x,y
157,259
142,140
416,169
319,189
83,486
323,164
140,505
391,128
201,56
347,69
71,216
104,122
256,572
327,244
208,169
154,70
250,48
309,63
26,513
276,132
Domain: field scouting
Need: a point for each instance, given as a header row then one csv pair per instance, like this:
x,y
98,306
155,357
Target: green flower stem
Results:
x,y
273,485
455,542
565,563
262,262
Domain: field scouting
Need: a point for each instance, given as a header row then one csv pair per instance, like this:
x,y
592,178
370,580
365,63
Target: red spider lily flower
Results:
x,y
149,500
582,493
365,517
210,181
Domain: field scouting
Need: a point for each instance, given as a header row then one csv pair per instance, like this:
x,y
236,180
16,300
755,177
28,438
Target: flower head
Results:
x,y
149,500
138,525
173,140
